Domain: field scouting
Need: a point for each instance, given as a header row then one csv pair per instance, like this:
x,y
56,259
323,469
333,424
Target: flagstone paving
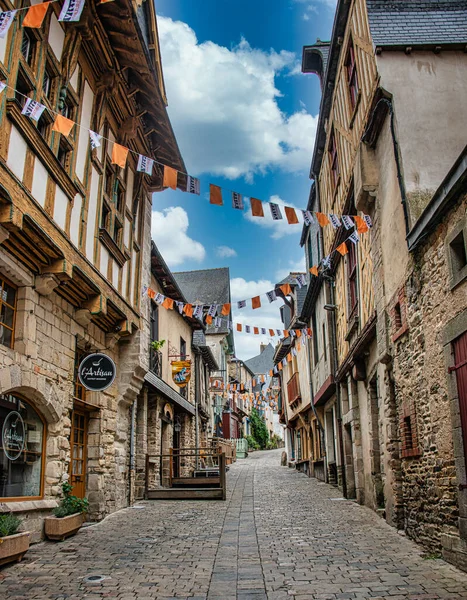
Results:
x,y
278,536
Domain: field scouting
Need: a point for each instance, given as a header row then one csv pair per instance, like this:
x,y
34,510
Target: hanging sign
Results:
x,y
13,435
97,372
181,372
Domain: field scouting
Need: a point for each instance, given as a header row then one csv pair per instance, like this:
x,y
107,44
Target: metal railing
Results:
x,y
155,362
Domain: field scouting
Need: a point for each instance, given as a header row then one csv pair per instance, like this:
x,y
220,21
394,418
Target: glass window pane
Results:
x,y
8,315
5,336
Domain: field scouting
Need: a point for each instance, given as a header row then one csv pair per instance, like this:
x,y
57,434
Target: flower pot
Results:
x,y
60,528
13,547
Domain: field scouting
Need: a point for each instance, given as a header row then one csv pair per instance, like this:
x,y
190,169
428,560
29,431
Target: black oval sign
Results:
x,y
13,435
97,372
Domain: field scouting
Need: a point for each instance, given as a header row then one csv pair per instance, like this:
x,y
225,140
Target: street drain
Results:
x,y
95,578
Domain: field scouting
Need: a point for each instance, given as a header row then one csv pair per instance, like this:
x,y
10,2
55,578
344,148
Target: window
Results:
x,y
105,216
182,349
352,278
352,76
7,313
310,251
334,161
68,109
397,316
324,341
27,47
23,88
119,196
315,338
47,84
64,152
457,255
21,449
79,389
408,431
43,125
118,233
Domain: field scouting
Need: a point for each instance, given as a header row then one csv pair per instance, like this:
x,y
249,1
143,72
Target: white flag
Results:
x,y
271,296
33,109
305,332
293,333
294,351
6,19
159,299
275,211
145,164
212,310
241,304
301,280
192,185
2,86
71,10
348,222
279,332
284,362
367,220
275,370
307,217
237,201
95,139
354,238
263,331
327,261
180,307
218,322
247,328
198,311
334,221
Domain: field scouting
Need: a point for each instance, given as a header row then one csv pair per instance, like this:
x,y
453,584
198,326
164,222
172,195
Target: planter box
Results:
x,y
13,547
59,529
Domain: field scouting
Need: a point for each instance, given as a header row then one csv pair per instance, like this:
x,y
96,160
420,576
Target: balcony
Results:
x,y
155,362
293,389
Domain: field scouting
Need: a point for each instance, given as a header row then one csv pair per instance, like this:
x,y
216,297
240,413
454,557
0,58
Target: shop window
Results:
x,y
22,449
7,313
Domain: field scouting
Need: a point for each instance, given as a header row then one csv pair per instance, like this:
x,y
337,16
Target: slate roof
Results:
x,y
263,363
400,22
206,286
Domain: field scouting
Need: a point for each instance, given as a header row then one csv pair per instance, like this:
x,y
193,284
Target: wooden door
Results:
x,y
78,442
460,359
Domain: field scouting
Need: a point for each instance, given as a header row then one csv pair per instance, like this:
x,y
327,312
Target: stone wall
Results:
x,y
429,488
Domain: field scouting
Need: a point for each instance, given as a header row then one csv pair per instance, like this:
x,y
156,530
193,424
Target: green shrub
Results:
x,y
258,428
9,524
252,443
70,505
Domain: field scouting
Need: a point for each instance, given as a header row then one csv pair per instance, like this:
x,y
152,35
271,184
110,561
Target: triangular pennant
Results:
x,y
256,207
256,302
192,185
342,249
170,177
215,195
314,271
145,164
119,155
35,15
275,211
362,227
71,11
322,219
62,125
237,201
286,289
291,215
327,261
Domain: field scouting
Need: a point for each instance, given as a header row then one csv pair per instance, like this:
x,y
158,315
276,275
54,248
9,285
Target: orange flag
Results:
x,y
322,219
188,310
271,372
286,333
314,271
256,330
151,293
256,207
168,303
271,332
286,289
119,153
239,326
209,319
362,227
289,357
62,124
170,177
215,194
279,366
262,379
342,249
35,15
291,215
299,346
255,302
225,310
298,333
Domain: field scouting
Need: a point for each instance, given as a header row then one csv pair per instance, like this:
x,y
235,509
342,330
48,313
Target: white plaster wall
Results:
x,y
83,135
56,37
75,78
129,189
75,221
60,207
126,232
125,279
115,274
16,153
112,139
133,271
3,45
39,182
92,210
104,261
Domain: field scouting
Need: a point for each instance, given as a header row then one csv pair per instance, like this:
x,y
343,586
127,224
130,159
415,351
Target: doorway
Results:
x,y
78,449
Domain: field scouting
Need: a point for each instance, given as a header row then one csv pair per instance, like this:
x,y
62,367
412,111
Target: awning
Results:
x,y
169,392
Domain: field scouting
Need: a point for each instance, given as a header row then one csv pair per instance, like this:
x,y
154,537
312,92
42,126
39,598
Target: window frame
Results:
x,y
333,160
352,277
351,70
457,272
14,308
43,454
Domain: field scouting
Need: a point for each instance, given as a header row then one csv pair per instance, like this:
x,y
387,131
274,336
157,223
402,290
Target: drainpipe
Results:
x,y
132,448
197,394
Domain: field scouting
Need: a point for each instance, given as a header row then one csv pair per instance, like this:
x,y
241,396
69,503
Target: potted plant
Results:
x,y
156,345
67,517
13,545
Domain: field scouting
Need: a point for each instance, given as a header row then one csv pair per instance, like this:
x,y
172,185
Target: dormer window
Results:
x,y
334,159
352,76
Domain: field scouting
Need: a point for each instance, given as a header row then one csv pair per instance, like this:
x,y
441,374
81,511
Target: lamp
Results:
x,y
330,307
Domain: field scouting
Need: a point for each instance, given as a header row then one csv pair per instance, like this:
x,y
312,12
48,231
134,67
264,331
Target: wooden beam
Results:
x,y
96,305
62,268
11,217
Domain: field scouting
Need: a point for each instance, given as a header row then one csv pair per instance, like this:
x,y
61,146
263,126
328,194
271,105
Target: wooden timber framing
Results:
x,y
348,124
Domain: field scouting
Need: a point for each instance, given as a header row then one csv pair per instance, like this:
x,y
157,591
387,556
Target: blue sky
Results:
x,y
245,118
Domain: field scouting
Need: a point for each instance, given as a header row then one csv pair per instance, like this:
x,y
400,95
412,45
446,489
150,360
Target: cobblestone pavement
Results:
x,y
279,536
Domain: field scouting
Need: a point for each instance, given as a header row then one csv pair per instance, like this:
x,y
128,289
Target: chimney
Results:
x,y
262,347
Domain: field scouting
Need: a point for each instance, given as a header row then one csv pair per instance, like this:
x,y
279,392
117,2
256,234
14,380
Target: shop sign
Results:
x,y
181,372
13,435
97,372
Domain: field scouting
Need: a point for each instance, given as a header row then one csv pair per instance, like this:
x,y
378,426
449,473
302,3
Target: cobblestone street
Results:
x,y
248,547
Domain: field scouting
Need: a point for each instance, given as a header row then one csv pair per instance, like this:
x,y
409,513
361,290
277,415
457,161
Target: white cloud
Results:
x,y
223,106
279,228
225,252
305,17
267,316
298,266
169,231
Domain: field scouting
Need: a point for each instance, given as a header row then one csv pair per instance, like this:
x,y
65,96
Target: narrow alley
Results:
x,y
248,547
